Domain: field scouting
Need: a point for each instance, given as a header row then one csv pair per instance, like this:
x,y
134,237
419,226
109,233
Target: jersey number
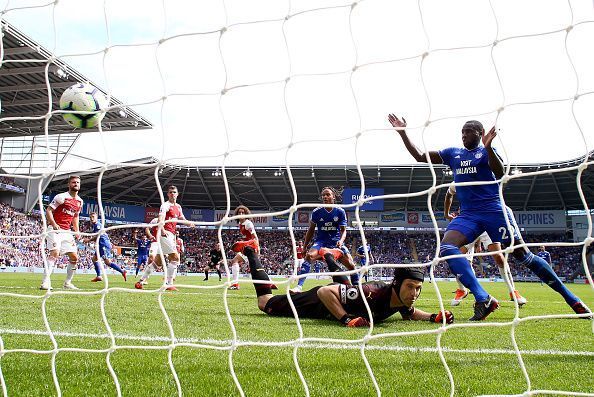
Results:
x,y
503,231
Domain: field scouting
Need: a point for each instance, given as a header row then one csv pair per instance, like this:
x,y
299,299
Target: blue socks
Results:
x,y
116,268
305,268
461,269
542,269
97,268
355,278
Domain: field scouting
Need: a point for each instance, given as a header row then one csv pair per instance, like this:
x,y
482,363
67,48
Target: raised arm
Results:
x,y
495,162
400,127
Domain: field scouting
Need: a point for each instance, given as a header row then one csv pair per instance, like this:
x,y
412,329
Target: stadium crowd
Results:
x,y
276,249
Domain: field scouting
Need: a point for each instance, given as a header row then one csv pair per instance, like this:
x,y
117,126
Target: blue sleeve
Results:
x,y
343,218
446,155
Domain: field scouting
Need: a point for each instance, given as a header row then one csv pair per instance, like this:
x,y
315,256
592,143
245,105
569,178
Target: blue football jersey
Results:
x,y
544,255
473,166
143,246
361,251
103,239
328,223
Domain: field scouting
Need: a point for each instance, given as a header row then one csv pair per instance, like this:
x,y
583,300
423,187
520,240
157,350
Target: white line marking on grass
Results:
x,y
337,346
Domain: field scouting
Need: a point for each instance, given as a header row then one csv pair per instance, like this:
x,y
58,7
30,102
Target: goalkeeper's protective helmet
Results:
x,y
402,273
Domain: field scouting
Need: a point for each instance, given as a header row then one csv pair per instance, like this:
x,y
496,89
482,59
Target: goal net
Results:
x,y
286,85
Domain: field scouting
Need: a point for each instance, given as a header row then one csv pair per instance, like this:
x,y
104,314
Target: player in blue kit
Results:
x,y
104,250
363,259
481,210
545,255
142,250
329,225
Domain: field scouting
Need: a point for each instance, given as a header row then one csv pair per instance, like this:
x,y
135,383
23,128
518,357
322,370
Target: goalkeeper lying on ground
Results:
x,y
344,302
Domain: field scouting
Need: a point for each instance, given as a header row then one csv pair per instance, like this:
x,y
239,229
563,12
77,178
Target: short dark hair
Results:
x,y
71,177
171,187
474,125
93,213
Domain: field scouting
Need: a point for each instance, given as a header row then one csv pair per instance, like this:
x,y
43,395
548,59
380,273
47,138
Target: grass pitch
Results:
x,y
558,353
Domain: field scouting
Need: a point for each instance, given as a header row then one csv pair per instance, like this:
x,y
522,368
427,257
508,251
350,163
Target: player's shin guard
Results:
x,y
235,273
170,272
147,271
257,272
305,268
542,269
463,271
333,267
97,267
70,270
460,285
509,282
47,272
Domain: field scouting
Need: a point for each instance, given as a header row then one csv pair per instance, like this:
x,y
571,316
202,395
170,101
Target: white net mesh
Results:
x,y
367,58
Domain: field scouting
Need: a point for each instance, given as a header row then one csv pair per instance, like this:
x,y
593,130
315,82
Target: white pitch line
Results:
x,y
354,346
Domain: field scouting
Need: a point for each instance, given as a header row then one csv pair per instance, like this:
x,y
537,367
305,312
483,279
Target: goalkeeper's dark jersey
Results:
x,y
215,257
308,305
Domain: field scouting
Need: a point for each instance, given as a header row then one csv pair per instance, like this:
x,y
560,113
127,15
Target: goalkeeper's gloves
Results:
x,y
438,317
351,321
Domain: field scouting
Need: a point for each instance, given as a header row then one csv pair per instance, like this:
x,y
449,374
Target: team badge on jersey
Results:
x,y
352,293
478,155
335,219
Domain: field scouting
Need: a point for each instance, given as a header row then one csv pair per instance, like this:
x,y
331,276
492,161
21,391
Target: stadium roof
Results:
x,y
265,188
25,94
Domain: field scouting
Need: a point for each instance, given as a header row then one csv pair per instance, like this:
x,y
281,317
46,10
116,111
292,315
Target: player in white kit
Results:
x,y
62,217
169,213
484,243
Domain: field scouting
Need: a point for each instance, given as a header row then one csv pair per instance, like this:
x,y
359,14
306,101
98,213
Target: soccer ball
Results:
x,y
83,97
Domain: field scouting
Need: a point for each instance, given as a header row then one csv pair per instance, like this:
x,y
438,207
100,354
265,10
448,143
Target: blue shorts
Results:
x,y
142,259
323,243
105,250
473,223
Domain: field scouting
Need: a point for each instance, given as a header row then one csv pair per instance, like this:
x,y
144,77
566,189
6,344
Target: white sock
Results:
x,y
147,271
235,272
170,272
70,270
511,287
47,272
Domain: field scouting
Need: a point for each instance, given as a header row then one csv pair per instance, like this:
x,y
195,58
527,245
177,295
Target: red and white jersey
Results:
x,y
65,209
179,243
247,230
299,252
171,211
154,229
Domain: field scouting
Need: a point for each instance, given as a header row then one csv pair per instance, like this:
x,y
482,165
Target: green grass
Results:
x,y
402,365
